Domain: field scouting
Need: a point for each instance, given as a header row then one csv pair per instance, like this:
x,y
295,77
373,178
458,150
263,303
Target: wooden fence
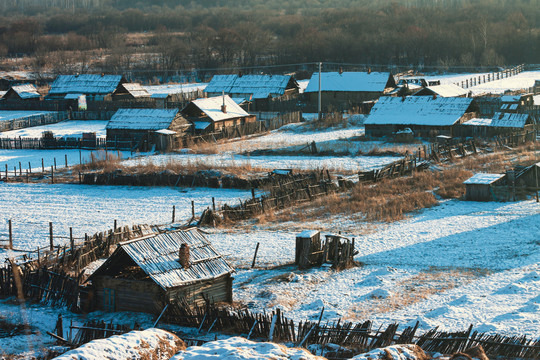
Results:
x,y
347,336
33,120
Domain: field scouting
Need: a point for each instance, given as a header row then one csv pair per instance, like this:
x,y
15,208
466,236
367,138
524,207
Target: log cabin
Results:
x,y
146,274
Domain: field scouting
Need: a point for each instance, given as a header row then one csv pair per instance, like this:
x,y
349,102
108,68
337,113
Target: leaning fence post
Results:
x,y
51,242
10,234
71,240
255,255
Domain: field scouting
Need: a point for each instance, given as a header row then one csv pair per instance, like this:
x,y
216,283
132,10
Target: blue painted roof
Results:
x,y
85,84
348,81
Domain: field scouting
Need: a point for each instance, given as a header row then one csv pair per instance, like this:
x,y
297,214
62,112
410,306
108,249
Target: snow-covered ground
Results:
x,y
88,209
470,263
6,115
72,129
162,90
521,81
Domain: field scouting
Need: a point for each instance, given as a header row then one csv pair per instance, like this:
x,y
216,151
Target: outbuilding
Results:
x,y
215,114
138,127
24,92
95,87
146,274
130,91
480,186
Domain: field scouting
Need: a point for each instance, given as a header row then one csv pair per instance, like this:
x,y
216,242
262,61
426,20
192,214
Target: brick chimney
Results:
x,y
183,256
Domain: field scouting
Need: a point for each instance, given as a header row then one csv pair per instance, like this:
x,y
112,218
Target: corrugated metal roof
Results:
x,y
26,91
483,179
142,119
509,120
348,81
260,86
85,84
158,257
418,110
448,90
212,108
510,98
136,90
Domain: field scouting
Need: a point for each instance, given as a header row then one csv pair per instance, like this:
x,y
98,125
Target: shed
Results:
x,y
426,116
95,87
308,249
516,103
479,187
147,273
529,176
344,90
258,89
23,92
500,124
215,113
130,91
138,125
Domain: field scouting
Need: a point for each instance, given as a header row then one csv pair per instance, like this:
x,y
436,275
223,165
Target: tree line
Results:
x,y
178,34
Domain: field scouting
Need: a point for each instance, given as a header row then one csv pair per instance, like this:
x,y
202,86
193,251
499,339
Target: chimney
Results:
x,y
223,106
183,256
340,70
434,96
369,70
240,74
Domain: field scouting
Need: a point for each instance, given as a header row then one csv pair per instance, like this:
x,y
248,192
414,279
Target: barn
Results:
x,y
24,92
479,187
259,89
499,124
130,91
147,126
426,116
215,113
95,87
516,103
344,90
146,274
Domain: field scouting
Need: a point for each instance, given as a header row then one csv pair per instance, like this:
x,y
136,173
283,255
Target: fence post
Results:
x,y
66,160
6,173
10,234
20,169
193,209
54,163
42,166
52,175
255,255
173,213
71,240
213,204
29,167
51,242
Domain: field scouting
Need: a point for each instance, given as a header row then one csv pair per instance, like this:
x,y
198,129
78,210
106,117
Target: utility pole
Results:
x,y
319,108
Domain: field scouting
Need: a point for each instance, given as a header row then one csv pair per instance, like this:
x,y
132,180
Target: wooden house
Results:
x,y
25,92
344,90
146,274
146,125
516,103
479,187
95,87
130,91
426,116
258,89
175,93
215,113
499,124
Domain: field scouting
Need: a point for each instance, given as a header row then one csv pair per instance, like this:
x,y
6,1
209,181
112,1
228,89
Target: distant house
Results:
x,y
258,89
215,113
23,92
95,87
500,124
479,187
516,103
446,90
426,116
130,91
146,274
343,90
175,92
162,127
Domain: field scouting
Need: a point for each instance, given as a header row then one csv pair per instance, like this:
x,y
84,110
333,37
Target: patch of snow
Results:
x,y
72,129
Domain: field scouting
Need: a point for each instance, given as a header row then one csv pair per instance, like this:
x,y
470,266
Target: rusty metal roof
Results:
x,y
157,256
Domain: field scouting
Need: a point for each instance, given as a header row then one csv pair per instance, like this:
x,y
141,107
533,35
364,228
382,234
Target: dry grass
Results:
x,y
101,160
329,120
415,289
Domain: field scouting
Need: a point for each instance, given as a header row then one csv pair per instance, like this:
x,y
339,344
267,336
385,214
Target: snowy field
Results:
x,y
524,80
89,209
333,163
483,258
6,115
72,129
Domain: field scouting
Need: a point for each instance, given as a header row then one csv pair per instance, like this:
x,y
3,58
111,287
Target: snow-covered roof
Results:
x,y
26,91
536,99
418,110
165,132
447,90
162,91
201,125
478,122
509,120
157,256
212,108
256,86
142,119
72,96
510,98
349,81
307,233
136,90
85,84
483,179
2,93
